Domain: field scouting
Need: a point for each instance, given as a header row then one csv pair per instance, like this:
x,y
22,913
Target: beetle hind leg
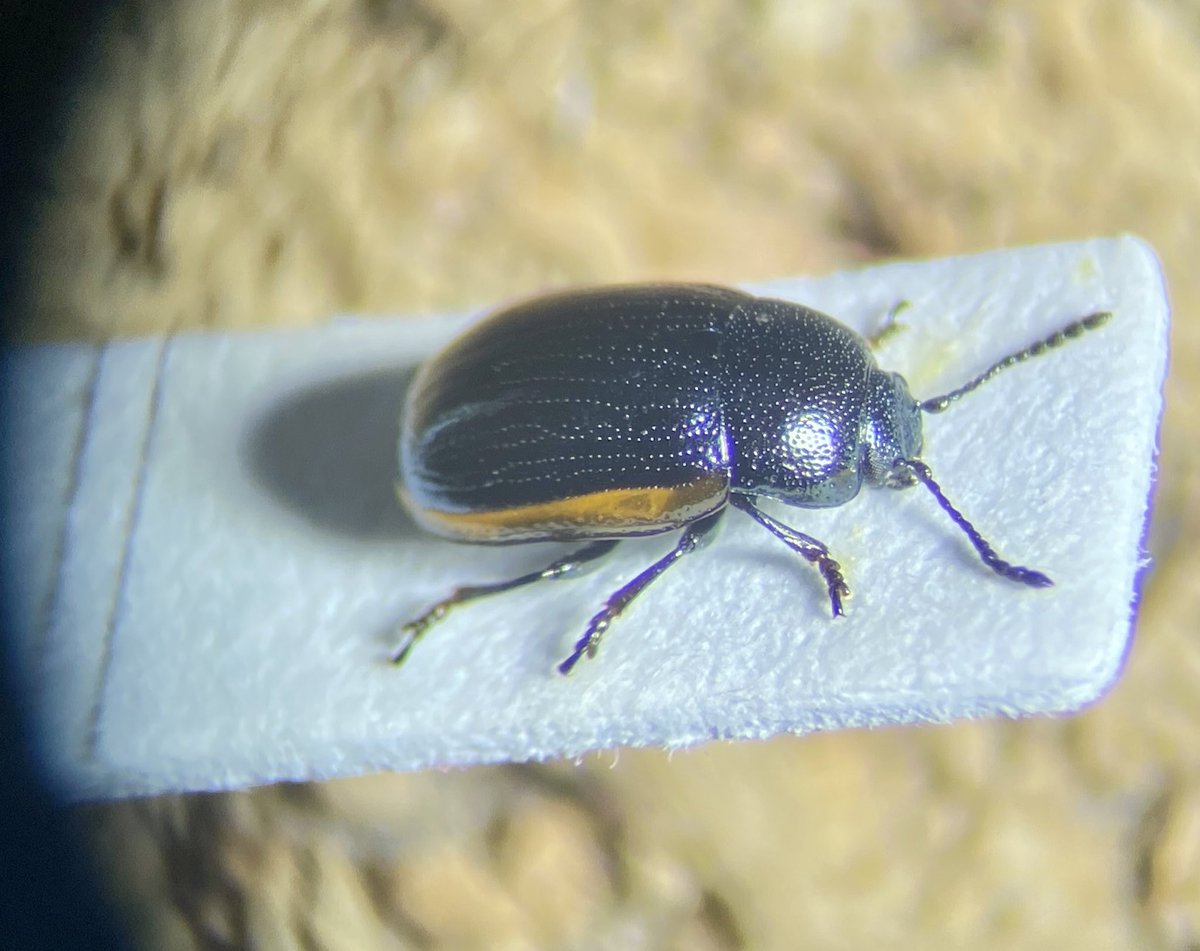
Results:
x,y
809,548
694,537
569,566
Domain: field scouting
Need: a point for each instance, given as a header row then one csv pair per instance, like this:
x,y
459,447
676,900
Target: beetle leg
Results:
x,y
888,327
806,546
695,536
569,566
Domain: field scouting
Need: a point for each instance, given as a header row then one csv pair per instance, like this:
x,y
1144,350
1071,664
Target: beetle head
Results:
x,y
890,430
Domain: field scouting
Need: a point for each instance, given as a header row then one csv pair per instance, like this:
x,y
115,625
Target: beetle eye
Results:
x,y
900,475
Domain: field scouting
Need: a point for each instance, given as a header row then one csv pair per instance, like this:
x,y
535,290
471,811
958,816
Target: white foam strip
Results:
x,y
224,565
97,543
46,395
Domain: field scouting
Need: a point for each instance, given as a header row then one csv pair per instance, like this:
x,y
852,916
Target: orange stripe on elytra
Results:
x,y
608,512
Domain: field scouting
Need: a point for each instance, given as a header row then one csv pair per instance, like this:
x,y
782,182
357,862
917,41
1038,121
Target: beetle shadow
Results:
x,y
328,454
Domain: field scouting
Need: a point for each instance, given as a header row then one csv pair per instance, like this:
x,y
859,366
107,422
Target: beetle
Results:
x,y
613,412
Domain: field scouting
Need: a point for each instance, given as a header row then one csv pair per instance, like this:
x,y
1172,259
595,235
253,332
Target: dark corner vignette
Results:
x,y
48,896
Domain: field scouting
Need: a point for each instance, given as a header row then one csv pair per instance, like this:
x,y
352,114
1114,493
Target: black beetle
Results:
x,y
633,410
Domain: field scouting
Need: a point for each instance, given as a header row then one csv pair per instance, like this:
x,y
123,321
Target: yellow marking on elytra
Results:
x,y
596,514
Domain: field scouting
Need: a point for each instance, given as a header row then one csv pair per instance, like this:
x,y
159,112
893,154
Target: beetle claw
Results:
x,y
590,642
837,594
410,633
835,584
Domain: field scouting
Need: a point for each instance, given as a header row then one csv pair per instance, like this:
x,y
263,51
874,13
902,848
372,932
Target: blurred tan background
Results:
x,y
241,163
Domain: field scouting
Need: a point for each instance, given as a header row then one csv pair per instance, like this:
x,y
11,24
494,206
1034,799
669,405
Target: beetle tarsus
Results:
x,y
810,549
889,326
839,591
835,581
400,656
694,537
569,566
590,642
411,631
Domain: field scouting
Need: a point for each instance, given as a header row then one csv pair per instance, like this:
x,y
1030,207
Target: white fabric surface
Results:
x,y
207,562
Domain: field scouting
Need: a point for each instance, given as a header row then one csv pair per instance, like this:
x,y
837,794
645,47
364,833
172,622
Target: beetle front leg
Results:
x,y
889,326
806,546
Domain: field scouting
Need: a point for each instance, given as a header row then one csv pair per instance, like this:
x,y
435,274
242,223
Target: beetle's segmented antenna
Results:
x,y
1075,328
1035,579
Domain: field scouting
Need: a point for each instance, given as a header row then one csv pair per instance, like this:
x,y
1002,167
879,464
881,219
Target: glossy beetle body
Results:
x,y
615,412
637,410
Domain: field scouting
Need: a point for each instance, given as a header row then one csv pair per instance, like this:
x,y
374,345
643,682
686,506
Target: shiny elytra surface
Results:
x,y
630,411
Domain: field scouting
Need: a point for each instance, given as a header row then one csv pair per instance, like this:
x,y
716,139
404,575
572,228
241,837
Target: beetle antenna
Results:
x,y
1035,579
1075,328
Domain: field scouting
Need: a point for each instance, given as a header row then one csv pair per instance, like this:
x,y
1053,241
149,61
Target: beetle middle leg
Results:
x,y
694,537
569,566
806,546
